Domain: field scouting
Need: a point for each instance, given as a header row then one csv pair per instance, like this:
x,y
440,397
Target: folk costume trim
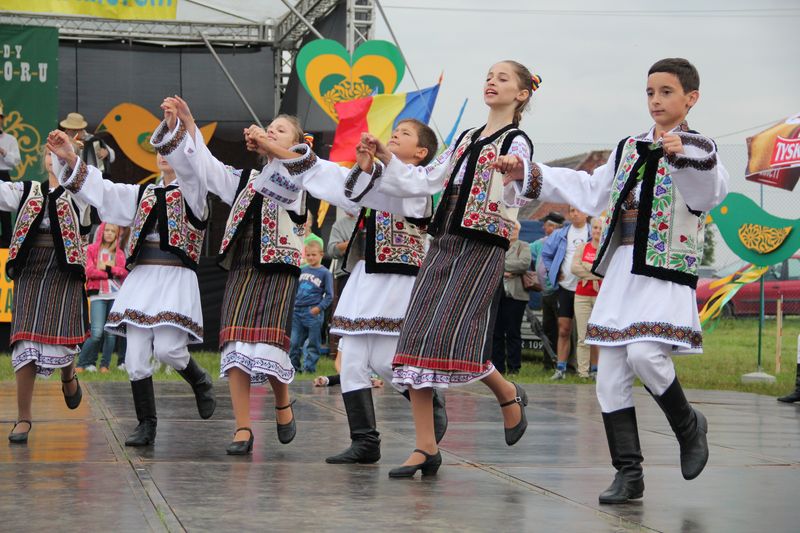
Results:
x,y
278,233
180,231
378,323
639,331
164,141
668,241
480,211
117,320
66,227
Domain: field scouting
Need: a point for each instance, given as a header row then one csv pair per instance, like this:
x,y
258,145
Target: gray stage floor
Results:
x,y
75,467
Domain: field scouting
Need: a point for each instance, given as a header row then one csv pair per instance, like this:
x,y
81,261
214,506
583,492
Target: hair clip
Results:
x,y
308,138
536,81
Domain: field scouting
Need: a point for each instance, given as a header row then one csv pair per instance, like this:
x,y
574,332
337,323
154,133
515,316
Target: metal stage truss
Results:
x,y
285,35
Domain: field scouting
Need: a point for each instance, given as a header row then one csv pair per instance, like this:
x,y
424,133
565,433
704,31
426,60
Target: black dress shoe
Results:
x,y
514,434
241,447
20,438
429,466
286,432
75,400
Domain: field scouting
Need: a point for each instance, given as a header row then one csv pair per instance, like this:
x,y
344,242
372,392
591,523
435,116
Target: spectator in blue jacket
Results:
x,y
557,254
549,296
314,295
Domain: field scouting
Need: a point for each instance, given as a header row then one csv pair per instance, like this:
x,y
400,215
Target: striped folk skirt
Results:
x,y
446,337
51,316
256,320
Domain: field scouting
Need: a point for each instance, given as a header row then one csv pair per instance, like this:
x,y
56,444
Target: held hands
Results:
x,y
365,157
672,144
176,107
372,144
511,166
256,140
61,145
170,113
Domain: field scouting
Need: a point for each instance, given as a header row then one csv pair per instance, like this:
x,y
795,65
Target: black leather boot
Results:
x,y
439,413
690,427
144,400
365,447
626,456
202,386
795,395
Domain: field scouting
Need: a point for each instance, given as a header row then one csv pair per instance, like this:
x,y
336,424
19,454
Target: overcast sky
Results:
x,y
593,57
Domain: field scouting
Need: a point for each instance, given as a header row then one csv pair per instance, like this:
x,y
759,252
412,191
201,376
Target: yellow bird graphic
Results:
x,y
132,126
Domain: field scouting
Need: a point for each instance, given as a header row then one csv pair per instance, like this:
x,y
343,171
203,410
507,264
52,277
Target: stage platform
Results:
x,y
76,475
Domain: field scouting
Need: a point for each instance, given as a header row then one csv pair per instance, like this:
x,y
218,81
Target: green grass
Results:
x,y
729,351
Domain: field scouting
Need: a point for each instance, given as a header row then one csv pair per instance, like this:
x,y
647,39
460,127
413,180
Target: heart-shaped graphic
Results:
x,y
330,75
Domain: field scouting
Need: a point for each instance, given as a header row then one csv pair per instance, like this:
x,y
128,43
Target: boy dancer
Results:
x,y
656,189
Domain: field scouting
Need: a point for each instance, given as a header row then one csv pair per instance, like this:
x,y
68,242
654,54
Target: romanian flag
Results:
x,y
378,115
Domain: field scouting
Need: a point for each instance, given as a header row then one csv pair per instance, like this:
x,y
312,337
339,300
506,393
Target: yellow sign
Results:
x,y
6,289
109,9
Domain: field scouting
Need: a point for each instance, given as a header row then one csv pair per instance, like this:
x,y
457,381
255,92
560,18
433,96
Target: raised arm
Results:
x,y
696,170
115,202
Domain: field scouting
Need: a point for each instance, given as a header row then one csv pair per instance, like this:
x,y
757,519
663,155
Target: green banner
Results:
x,y
29,92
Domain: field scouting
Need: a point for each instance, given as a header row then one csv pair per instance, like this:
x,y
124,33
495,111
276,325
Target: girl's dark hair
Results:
x,y
527,81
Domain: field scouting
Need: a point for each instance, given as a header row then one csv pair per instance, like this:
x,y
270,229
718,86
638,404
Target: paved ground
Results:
x,y
75,467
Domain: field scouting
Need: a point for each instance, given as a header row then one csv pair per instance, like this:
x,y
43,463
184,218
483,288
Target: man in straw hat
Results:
x,y
93,150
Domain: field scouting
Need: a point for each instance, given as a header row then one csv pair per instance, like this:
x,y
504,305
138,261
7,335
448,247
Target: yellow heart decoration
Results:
x,y
330,75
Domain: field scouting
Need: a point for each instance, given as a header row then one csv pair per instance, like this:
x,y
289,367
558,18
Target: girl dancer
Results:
x,y
46,260
445,338
261,247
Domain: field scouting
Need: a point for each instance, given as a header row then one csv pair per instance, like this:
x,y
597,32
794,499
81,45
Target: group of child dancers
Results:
x,y
421,319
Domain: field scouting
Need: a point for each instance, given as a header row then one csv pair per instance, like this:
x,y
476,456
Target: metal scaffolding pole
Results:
x,y
231,80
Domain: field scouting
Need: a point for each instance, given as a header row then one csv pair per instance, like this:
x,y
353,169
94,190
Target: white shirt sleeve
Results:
x,y
12,157
587,192
10,195
196,163
115,202
697,172
404,181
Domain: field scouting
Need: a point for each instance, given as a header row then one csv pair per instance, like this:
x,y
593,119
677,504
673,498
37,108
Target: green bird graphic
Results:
x,y
753,234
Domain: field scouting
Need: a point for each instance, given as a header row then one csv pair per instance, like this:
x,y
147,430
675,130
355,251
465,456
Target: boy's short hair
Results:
x,y
426,139
314,244
686,72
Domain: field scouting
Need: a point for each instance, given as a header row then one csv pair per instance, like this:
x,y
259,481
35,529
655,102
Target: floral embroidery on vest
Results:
x,y
25,217
180,231
146,205
397,240
237,214
484,210
670,244
74,242
276,244
68,225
